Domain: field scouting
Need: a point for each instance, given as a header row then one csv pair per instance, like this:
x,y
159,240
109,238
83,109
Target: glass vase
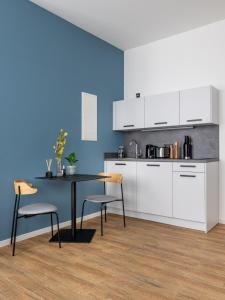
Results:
x,y
59,171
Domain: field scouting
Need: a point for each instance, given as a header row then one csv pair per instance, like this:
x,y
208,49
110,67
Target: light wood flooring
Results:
x,y
146,260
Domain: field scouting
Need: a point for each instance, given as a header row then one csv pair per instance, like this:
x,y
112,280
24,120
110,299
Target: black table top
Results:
x,y
74,178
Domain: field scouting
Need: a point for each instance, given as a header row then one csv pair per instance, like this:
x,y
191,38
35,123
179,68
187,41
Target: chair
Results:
x,y
103,200
24,188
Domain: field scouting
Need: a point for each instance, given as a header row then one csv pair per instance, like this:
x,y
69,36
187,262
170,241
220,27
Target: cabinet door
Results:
x,y
188,196
154,188
129,114
128,170
195,106
162,110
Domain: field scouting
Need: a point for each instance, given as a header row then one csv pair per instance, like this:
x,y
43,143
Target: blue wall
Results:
x,y
45,64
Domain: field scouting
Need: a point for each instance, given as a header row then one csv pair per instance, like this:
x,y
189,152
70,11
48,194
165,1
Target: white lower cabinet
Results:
x,y
182,194
189,196
128,170
154,188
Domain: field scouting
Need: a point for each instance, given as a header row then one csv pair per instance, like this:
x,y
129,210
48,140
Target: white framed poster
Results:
x,y
88,117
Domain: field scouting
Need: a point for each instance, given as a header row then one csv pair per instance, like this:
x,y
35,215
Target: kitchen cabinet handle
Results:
x,y
120,164
160,123
153,165
126,126
181,175
187,166
194,120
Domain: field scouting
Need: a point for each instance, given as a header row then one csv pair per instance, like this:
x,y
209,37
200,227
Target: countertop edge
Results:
x,y
205,160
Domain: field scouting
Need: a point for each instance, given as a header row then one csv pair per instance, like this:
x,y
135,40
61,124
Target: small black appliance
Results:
x,y
150,151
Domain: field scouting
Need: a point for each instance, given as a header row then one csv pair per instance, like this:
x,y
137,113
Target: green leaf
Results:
x,y
71,158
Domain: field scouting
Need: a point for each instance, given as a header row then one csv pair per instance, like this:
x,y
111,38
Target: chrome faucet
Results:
x,y
137,153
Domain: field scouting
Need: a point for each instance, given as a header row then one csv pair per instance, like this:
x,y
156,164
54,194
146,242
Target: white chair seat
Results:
x,y
37,208
101,198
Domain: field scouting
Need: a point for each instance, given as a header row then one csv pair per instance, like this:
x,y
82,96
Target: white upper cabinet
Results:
x,y
187,107
162,110
128,114
199,106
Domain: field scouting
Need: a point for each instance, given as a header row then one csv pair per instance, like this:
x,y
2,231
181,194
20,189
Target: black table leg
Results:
x,y
73,209
74,235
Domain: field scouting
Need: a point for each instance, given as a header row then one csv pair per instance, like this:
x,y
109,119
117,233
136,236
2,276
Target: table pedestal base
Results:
x,y
82,236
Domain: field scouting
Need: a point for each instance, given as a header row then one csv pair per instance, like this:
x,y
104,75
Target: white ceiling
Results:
x,y
131,23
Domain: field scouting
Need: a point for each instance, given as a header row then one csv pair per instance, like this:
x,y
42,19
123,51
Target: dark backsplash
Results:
x,y
205,140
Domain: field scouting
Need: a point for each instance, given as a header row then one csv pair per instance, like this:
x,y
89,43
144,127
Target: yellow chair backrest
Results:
x,y
113,177
24,188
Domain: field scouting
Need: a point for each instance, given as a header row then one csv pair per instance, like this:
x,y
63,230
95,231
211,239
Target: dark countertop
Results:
x,y
198,160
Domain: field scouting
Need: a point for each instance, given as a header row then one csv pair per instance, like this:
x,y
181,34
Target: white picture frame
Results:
x,y
88,117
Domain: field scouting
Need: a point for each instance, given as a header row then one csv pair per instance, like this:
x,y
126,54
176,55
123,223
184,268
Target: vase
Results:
x,y
70,170
59,171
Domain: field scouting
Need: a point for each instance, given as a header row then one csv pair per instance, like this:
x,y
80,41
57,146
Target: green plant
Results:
x,y
60,144
71,158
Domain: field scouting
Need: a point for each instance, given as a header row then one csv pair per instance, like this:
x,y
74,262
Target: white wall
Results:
x,y
194,58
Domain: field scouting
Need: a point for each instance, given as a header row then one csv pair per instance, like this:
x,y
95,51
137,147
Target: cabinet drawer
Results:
x,y
189,167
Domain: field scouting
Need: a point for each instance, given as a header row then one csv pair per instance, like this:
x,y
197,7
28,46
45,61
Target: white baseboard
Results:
x,y
161,219
34,233
221,221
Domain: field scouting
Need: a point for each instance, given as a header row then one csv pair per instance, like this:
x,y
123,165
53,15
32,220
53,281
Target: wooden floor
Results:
x,y
144,261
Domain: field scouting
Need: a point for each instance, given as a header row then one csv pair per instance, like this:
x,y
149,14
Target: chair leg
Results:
x,y
52,224
124,221
13,221
101,222
105,213
57,219
82,214
14,235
